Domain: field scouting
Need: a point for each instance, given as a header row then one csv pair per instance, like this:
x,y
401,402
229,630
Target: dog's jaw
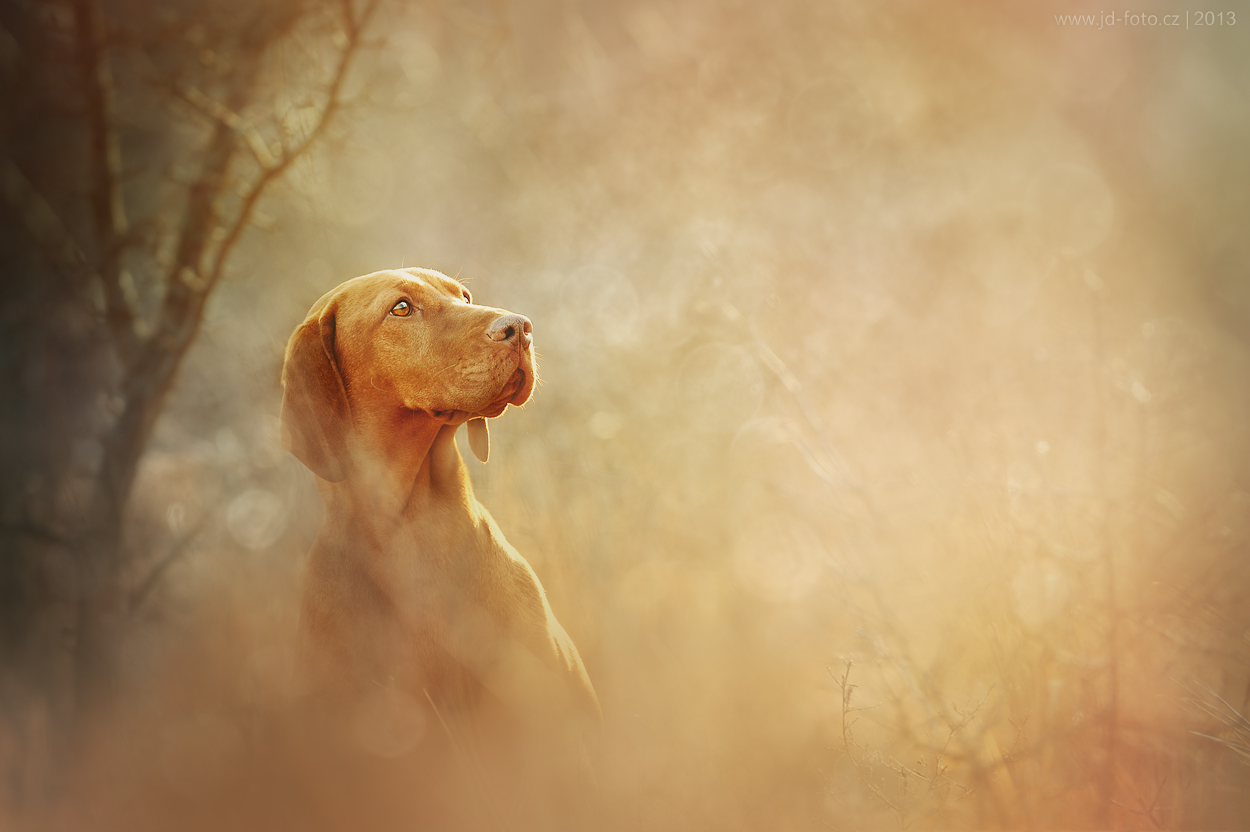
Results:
x,y
515,392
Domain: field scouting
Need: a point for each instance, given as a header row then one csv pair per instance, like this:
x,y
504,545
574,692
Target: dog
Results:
x,y
415,610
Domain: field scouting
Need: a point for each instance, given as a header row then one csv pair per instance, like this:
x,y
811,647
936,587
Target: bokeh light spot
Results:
x,y
256,518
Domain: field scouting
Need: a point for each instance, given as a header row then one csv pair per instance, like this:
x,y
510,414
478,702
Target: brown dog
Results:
x,y
412,597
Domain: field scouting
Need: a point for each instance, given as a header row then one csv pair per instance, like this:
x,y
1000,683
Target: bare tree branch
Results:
x,y
220,112
354,26
185,290
107,205
189,282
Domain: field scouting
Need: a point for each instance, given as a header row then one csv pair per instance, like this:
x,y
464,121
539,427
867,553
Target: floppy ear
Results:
x,y
316,416
479,438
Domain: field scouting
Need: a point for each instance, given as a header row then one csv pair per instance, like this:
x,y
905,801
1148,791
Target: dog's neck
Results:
x,y
411,465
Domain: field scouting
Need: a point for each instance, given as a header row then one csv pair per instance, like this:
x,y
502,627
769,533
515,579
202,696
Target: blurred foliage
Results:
x,y
907,344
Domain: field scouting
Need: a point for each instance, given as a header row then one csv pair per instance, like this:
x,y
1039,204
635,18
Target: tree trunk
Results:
x,y
101,595
82,378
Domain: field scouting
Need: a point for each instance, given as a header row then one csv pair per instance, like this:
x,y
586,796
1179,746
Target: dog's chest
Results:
x,y
403,616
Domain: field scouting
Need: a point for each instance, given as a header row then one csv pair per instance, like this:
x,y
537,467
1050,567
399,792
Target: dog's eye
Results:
x,y
402,309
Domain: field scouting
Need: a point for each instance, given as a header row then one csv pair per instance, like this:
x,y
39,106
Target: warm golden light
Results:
x,y
889,465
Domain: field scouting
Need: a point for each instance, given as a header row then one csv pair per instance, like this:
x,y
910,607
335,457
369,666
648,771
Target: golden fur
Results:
x,y
410,588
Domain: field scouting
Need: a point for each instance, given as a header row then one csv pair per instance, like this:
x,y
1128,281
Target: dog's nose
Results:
x,y
515,329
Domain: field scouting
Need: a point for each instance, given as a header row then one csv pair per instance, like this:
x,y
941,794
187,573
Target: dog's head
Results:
x,y
409,341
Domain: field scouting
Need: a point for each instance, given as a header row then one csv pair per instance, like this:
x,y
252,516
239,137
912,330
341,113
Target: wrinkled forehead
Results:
x,y
434,280
362,294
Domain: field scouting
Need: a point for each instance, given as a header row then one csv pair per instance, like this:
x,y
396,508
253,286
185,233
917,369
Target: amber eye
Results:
x,y
467,297
402,309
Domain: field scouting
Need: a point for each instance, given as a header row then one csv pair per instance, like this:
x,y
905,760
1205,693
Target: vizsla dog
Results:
x,y
411,594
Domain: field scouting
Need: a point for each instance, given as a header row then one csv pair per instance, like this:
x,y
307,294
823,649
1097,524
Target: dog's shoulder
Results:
x,y
524,607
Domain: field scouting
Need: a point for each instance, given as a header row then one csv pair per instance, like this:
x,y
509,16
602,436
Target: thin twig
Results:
x,y
183,545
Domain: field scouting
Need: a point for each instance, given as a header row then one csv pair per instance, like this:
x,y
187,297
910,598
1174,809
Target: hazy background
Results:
x,y
912,338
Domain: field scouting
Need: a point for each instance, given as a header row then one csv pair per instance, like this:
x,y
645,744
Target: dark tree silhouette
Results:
x,y
135,146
